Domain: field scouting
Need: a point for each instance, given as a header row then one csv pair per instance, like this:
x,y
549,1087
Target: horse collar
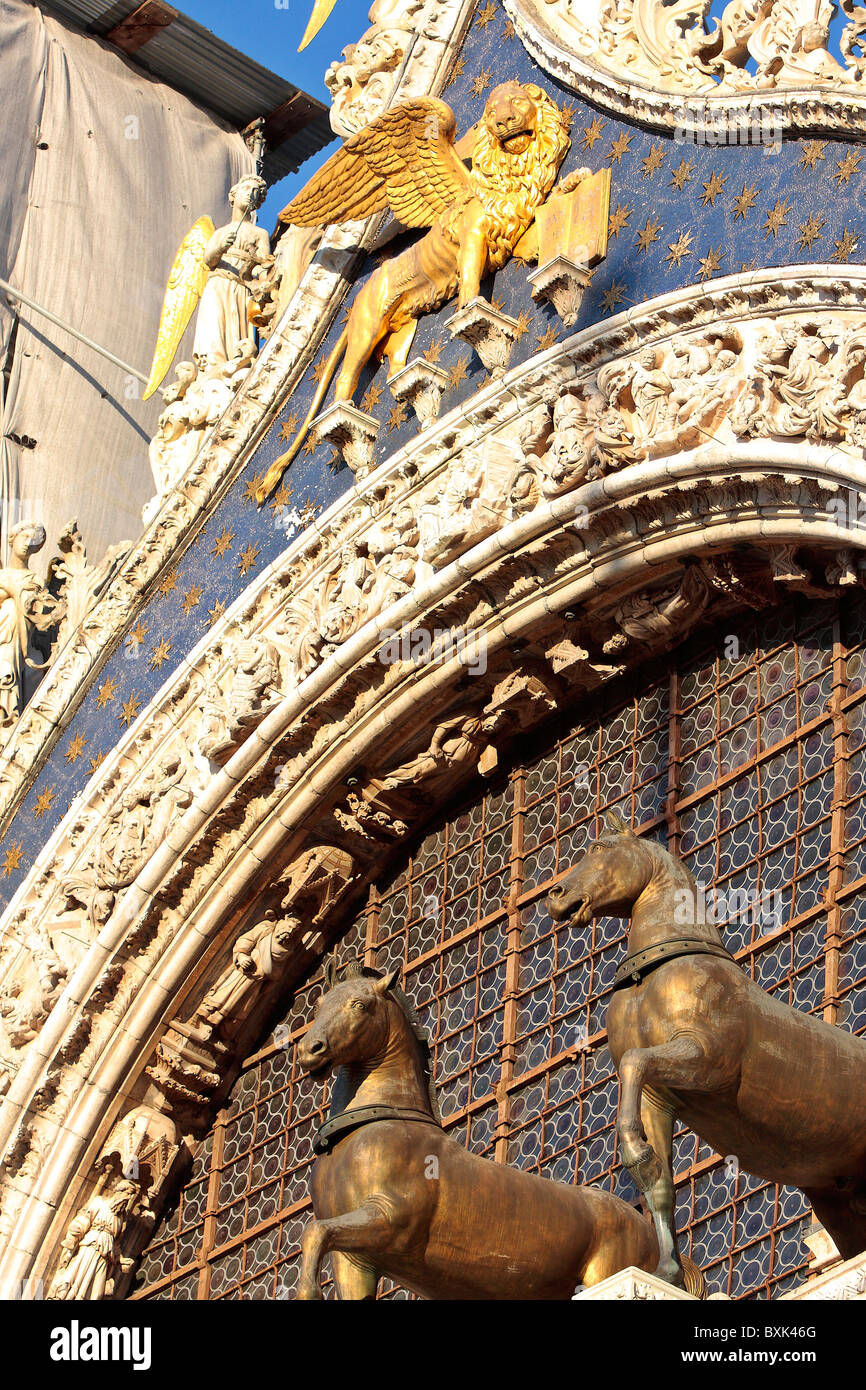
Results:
x,y
640,963
338,1125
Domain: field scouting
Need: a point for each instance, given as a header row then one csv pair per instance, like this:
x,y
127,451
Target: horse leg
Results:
x,y
840,1220
658,1125
354,1279
672,1064
367,1230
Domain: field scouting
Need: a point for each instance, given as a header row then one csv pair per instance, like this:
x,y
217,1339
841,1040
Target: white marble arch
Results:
x,y
747,515
650,61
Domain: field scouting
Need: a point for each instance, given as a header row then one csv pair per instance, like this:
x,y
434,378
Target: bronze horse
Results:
x,y
692,1037
393,1195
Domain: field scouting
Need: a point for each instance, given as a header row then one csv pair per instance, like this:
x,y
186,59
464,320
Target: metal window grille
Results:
x,y
746,756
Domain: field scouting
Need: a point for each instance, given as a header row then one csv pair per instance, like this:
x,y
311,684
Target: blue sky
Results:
x,y
270,32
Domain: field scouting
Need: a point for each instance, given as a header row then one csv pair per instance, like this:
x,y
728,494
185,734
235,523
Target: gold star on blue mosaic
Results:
x,y
613,296
710,263
481,83
618,147
11,859
813,150
619,218
680,248
810,232
846,167
845,247
191,598
591,133
683,174
485,16
43,802
456,72
653,161
647,235
712,188
777,218
745,201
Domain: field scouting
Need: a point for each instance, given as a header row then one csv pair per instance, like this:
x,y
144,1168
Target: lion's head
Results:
x,y
519,145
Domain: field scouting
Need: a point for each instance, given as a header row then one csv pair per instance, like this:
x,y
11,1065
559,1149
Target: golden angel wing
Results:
x,y
186,281
405,159
321,10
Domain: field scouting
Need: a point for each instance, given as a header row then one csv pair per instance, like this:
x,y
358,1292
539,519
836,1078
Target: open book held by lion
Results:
x,y
406,160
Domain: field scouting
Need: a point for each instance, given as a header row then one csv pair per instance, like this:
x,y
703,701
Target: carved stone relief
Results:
x,y
769,61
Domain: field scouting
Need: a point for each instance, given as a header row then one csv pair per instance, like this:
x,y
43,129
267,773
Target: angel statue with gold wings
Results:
x,y
406,160
223,268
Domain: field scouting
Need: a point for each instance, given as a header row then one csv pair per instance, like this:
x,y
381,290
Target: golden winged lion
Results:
x,y
406,160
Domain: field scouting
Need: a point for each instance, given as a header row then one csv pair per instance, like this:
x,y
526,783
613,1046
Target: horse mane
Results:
x,y
355,971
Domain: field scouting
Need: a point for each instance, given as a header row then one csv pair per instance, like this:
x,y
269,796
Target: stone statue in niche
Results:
x,y
92,1258
26,607
254,688
258,956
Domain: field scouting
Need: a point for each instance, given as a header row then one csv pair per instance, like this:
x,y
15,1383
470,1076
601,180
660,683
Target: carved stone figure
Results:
x,y
476,218
755,45
383,806
26,1003
257,957
393,1195
662,617
752,1076
254,688
362,83
92,1258
26,606
146,813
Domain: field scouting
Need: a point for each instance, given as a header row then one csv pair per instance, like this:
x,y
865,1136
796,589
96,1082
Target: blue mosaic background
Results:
x,y
680,213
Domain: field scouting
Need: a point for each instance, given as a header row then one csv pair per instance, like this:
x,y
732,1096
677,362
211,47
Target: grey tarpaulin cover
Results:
x,y
103,170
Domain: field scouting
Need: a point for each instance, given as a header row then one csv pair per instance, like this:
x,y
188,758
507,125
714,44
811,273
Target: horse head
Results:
x,y
608,880
352,1023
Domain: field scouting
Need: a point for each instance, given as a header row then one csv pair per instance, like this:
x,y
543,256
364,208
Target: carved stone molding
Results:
x,y
843,1282
666,66
634,1284
662,469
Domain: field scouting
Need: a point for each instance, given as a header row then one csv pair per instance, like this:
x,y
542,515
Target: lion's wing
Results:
x,y
404,159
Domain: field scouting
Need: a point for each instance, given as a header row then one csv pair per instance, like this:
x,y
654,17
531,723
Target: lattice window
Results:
x,y
749,760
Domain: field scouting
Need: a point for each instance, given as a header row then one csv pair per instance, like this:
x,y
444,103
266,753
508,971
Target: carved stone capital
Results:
x,y
420,384
351,432
488,331
562,281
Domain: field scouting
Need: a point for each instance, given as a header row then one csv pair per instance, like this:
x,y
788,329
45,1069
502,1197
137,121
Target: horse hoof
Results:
x,y
671,1273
